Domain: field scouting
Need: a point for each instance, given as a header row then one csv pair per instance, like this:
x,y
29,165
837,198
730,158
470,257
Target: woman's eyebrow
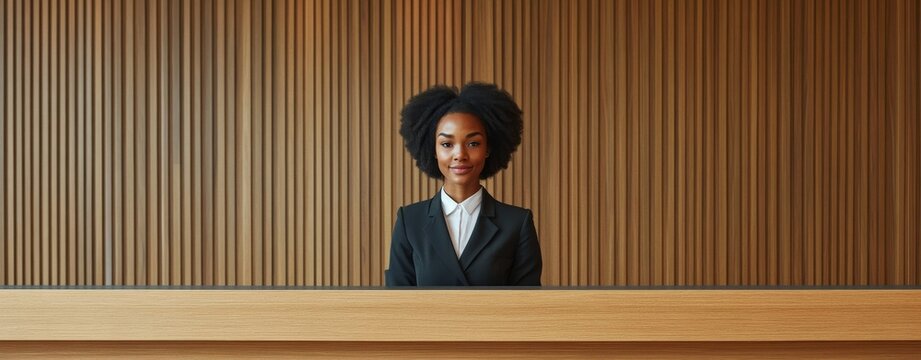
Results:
x,y
470,135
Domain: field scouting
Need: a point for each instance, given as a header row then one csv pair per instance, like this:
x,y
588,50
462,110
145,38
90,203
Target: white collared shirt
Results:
x,y
461,218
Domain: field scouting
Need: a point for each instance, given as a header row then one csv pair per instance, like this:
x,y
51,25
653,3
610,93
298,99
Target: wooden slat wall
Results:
x,y
254,142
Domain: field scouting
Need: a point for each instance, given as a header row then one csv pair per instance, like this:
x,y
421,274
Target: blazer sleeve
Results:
x,y
402,272
528,263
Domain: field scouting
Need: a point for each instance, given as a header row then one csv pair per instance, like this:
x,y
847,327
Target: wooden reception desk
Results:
x,y
460,323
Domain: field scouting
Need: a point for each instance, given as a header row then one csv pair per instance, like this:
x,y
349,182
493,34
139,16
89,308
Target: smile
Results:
x,y
461,170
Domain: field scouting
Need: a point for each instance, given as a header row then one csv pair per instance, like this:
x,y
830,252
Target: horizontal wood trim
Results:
x,y
446,315
459,350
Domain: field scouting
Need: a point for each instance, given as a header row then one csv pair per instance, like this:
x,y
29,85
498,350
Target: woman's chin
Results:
x,y
462,180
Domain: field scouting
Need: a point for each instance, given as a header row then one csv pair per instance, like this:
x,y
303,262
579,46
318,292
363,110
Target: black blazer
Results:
x,y
503,248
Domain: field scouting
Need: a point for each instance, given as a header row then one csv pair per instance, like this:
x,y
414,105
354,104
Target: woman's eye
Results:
x,y
474,144
445,145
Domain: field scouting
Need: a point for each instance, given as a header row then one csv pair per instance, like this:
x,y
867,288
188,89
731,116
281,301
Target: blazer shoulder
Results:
x,y
511,211
416,210
512,208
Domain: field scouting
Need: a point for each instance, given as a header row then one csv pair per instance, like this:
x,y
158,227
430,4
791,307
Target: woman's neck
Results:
x,y
460,192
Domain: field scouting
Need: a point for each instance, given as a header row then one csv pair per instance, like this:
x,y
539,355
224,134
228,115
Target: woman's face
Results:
x,y
461,149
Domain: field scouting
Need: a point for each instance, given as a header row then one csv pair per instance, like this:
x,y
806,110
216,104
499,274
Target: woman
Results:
x,y
462,236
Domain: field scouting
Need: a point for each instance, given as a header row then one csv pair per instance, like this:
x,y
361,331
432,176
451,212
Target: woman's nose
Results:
x,y
460,153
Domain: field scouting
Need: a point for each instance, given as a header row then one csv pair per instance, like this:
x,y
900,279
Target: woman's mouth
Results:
x,y
461,170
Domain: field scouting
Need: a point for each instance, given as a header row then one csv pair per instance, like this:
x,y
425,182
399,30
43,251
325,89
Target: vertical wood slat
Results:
x,y
151,160
140,168
256,142
207,144
26,109
4,136
45,190
129,148
230,130
244,161
186,144
299,41
220,133
52,130
5,148
16,139
197,198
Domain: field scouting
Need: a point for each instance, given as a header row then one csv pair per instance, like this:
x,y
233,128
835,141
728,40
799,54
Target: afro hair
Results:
x,y
495,108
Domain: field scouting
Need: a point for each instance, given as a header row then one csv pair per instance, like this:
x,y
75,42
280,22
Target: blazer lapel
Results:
x,y
437,230
483,232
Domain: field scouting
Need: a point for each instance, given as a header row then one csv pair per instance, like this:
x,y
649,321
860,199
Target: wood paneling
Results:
x,y
254,142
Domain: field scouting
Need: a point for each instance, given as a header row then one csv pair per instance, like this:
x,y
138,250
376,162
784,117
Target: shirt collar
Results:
x,y
469,205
